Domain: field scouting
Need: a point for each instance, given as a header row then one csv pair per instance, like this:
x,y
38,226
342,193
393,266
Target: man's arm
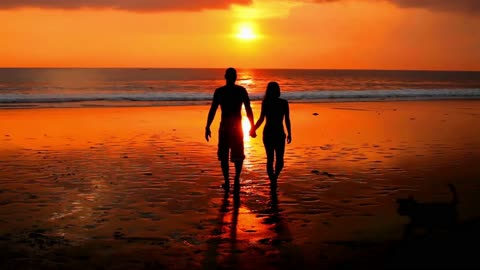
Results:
x,y
249,111
211,116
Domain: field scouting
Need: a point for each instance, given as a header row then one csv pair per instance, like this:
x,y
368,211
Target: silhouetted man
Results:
x,y
230,134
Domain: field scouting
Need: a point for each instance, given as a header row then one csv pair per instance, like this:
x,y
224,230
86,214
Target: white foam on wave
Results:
x,y
385,94
354,95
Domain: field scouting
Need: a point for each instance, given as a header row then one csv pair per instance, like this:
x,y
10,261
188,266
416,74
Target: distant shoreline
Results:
x,y
240,68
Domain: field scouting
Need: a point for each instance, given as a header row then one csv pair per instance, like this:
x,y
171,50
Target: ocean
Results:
x,y
64,87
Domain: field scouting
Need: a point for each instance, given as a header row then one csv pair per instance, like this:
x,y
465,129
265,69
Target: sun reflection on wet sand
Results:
x,y
242,229
246,130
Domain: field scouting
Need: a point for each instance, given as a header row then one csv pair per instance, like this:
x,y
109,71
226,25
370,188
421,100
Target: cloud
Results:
x,y
465,6
129,5
468,6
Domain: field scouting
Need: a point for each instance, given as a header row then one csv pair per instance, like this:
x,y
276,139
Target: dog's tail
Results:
x,y
454,192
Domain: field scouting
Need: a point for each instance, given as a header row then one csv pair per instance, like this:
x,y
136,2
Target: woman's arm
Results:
x,y
287,123
261,119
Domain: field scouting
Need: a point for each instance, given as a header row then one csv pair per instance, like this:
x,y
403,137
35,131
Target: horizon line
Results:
x,y
242,68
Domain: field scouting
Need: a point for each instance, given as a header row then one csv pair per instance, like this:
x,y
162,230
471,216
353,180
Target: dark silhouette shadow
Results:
x,y
289,256
273,211
210,261
216,241
435,237
446,249
428,216
233,259
275,110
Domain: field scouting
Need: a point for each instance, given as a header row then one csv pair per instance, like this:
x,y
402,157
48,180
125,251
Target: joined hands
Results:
x,y
253,133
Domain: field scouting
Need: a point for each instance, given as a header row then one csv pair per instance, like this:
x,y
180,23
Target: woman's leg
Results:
x,y
269,150
279,153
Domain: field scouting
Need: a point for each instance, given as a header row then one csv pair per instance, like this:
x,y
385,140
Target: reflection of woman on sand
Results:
x,y
275,110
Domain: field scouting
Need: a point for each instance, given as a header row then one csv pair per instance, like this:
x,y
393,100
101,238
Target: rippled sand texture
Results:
x,y
134,188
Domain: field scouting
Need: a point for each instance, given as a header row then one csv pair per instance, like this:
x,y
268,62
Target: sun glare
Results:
x,y
246,31
246,128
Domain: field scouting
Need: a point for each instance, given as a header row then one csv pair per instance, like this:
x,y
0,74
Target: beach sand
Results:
x,y
139,188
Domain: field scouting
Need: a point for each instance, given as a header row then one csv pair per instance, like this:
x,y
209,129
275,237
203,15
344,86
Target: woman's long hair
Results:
x,y
272,93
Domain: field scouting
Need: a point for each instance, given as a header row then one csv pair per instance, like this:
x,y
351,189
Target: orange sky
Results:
x,y
358,34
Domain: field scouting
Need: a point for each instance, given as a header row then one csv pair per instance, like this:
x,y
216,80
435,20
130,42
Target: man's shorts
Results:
x,y
230,142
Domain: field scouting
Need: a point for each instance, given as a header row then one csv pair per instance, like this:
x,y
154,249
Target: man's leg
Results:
x,y
222,153
225,171
237,157
238,171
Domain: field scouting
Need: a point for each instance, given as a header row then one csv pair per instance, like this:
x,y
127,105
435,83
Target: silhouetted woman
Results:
x,y
275,110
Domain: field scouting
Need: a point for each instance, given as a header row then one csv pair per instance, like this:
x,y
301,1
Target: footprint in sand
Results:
x,y
317,172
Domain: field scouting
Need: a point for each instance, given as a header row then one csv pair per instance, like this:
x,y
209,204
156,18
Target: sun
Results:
x,y
246,31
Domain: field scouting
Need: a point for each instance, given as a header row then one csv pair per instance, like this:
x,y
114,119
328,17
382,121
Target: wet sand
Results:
x,y
139,188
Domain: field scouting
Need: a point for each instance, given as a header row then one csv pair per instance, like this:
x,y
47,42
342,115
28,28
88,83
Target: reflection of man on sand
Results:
x,y
230,135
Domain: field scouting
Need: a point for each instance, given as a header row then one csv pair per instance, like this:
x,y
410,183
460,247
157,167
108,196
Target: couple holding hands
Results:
x,y
275,110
